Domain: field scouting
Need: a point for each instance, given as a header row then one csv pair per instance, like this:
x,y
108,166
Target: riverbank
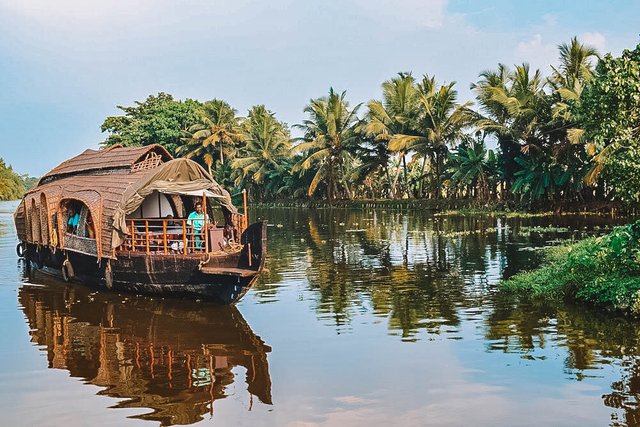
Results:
x,y
457,206
602,271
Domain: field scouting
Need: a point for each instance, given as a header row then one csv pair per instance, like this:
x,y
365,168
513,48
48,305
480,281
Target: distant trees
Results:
x,y
159,119
570,136
12,185
608,115
216,130
328,142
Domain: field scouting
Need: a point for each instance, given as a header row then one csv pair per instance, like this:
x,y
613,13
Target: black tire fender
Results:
x,y
108,276
67,271
20,251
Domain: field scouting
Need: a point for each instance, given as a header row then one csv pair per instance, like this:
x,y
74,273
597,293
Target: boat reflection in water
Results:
x,y
174,357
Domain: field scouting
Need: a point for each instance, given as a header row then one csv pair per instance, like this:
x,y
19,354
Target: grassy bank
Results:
x,y
603,271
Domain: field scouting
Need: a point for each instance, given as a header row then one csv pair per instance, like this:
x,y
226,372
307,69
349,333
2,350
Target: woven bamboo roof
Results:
x,y
101,178
116,157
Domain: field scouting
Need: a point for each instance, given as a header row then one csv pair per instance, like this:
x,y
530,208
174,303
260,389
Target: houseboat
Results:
x,y
134,219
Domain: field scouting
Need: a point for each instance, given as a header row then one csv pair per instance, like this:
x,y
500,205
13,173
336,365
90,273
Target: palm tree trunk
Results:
x,y
437,173
386,172
406,175
221,155
394,187
424,164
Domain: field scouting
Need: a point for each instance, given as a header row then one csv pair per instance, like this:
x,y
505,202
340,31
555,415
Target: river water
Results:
x,y
366,317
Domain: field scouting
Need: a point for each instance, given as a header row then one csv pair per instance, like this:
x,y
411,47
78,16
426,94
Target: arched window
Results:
x,y
79,227
34,217
44,219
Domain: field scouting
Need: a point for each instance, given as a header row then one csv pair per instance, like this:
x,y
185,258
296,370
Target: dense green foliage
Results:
x,y
157,120
569,137
12,185
603,271
609,112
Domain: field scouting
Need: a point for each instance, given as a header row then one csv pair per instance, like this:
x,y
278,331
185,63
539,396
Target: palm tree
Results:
x,y
440,122
514,104
392,116
267,143
576,64
575,72
329,136
474,166
217,128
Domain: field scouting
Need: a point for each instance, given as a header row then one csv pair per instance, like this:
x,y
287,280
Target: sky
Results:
x,y
66,64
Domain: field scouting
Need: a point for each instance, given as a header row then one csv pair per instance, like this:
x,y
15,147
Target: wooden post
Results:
x,y
244,211
206,232
133,236
184,235
146,232
164,234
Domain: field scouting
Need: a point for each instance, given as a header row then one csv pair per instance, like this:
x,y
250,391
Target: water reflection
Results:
x,y
340,281
419,271
174,357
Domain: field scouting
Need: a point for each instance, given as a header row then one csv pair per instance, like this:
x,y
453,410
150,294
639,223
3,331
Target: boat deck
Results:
x,y
226,271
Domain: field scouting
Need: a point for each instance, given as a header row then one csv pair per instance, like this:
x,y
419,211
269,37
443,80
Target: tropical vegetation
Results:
x,y
12,185
569,136
603,271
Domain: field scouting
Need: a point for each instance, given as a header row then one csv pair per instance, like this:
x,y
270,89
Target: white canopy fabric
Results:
x,y
178,176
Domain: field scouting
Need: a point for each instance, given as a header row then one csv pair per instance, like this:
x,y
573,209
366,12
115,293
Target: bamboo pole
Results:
x,y
133,237
146,232
244,211
164,234
206,231
184,236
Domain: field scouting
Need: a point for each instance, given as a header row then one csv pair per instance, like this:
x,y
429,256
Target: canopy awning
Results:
x,y
179,176
194,193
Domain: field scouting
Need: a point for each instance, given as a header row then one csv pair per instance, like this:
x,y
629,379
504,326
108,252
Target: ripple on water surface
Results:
x,y
365,318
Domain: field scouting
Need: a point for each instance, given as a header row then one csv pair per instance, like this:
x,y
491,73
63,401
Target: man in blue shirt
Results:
x,y
196,221
74,219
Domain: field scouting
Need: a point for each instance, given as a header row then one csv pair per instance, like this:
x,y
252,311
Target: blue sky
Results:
x,y
66,64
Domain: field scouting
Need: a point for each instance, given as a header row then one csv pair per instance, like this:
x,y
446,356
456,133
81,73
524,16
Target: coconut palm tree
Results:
x,y
217,129
392,116
440,122
267,143
329,136
516,109
474,166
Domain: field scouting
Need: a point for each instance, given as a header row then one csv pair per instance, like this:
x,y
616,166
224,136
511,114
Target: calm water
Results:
x,y
366,318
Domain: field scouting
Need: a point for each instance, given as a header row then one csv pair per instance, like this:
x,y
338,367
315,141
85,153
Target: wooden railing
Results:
x,y
177,236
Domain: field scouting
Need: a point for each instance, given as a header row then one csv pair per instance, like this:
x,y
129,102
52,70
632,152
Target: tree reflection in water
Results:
x,y
174,357
426,273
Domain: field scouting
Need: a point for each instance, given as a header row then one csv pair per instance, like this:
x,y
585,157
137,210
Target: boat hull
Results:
x,y
178,277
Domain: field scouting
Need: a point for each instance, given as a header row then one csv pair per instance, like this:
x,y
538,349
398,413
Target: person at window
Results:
x,y
74,219
196,220
89,229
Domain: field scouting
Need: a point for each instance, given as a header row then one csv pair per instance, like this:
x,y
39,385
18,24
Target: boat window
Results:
x,y
78,219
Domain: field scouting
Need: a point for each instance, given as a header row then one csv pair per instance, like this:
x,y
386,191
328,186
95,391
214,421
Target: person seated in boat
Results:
x,y
195,221
90,229
74,219
172,226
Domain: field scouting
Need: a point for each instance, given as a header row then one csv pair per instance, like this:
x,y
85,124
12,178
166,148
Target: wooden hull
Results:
x,y
173,275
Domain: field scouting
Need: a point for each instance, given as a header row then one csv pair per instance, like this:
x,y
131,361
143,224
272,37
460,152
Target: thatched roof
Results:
x,y
116,157
107,181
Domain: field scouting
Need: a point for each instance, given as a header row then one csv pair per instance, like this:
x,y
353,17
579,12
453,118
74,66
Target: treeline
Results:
x,y
569,136
12,185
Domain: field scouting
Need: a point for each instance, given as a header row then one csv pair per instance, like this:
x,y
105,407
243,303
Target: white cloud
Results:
x,y
597,40
425,13
78,11
537,52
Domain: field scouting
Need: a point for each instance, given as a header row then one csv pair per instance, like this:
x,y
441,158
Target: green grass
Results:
x,y
603,271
